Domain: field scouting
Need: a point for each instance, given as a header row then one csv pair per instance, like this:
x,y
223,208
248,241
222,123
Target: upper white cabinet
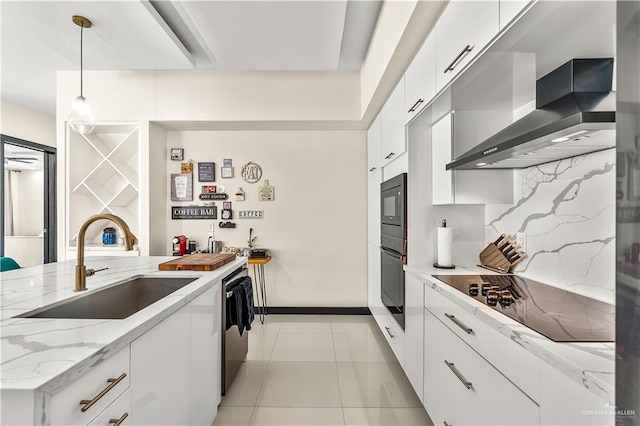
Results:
x,y
373,145
441,146
373,206
509,9
462,31
392,130
420,78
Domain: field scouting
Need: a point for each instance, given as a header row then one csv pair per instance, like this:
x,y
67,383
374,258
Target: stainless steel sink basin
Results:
x,y
115,302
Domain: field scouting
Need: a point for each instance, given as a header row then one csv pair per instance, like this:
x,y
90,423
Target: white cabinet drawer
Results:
x,y
502,352
392,332
462,388
103,383
462,31
115,414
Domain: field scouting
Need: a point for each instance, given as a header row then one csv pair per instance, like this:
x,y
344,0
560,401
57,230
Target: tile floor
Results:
x,y
320,370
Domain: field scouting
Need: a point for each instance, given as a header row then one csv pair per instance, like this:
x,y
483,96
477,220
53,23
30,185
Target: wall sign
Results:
x,y
213,196
177,154
266,191
194,212
227,172
251,172
186,168
181,187
250,214
207,172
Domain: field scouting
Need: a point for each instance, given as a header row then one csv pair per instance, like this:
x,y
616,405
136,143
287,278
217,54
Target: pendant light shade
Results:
x,y
81,118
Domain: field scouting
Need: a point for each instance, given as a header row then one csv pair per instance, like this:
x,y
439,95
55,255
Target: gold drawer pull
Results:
x,y
468,48
457,322
117,422
88,403
459,375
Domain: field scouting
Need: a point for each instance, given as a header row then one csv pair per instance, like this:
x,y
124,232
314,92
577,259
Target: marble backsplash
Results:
x,y
567,211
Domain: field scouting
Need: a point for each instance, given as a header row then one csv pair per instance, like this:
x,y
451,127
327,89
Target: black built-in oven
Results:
x,y
393,244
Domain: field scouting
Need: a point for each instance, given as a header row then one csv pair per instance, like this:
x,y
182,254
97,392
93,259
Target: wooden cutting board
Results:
x,y
198,262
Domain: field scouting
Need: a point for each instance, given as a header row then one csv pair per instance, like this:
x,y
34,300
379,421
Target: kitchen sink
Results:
x,y
117,302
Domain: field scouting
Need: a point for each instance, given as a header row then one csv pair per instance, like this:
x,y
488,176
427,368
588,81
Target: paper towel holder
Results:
x,y
436,264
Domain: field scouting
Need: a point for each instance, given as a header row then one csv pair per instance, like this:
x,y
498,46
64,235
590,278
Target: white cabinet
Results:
x,y
160,373
414,333
392,332
373,145
392,126
175,366
373,206
462,388
420,79
205,360
103,170
441,147
118,411
99,387
463,30
373,280
509,9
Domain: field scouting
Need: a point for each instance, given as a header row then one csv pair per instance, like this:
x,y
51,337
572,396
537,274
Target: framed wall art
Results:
x,y
177,154
181,187
227,172
207,172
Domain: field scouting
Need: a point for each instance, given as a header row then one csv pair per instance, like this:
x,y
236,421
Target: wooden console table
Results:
x,y
258,272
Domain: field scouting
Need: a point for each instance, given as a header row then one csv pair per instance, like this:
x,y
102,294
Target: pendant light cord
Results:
x,y
81,33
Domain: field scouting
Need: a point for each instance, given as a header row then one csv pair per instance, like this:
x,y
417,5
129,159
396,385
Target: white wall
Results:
x,y
26,124
316,226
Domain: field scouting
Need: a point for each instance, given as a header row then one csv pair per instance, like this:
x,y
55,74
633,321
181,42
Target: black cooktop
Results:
x,y
558,314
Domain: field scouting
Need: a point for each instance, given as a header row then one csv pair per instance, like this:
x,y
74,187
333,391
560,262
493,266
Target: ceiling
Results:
x,y
39,38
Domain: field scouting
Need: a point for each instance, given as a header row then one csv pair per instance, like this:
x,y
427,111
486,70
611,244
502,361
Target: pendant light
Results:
x,y
81,118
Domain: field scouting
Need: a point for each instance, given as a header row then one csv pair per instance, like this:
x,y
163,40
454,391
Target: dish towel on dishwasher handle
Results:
x,y
240,308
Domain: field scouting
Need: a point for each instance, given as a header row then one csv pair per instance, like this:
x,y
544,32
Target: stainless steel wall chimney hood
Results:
x,y
574,115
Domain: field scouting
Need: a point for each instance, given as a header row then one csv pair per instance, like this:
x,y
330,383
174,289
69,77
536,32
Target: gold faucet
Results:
x,y
81,270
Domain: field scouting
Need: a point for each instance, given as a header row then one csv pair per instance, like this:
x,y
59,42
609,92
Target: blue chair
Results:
x,y
7,264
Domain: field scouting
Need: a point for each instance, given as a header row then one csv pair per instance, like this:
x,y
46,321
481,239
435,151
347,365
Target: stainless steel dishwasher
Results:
x,y
234,346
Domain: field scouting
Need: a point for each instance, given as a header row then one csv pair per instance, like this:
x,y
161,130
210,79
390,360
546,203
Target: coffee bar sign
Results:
x,y
194,212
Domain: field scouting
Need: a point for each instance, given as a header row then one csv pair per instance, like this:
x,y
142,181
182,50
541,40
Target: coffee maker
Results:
x,y
180,244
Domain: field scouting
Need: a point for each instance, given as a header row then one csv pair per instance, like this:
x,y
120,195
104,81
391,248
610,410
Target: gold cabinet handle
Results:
x,y
88,403
457,322
118,422
459,375
468,48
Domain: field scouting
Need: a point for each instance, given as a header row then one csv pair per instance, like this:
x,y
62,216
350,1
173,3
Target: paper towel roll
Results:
x,y
445,242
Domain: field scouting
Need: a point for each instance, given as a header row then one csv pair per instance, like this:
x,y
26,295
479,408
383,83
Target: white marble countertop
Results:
x,y
592,365
47,354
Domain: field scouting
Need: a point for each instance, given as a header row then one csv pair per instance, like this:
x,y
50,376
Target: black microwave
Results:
x,y
393,206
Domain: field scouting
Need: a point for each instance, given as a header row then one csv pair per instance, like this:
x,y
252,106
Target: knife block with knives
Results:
x,y
501,255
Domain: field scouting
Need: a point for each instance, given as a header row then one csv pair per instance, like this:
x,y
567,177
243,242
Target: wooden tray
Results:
x,y
198,262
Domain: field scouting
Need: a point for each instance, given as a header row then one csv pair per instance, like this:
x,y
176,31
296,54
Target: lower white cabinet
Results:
x,y
175,366
460,387
160,373
373,279
392,332
99,387
204,313
414,333
118,411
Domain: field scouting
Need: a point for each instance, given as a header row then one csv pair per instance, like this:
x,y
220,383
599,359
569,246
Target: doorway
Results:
x,y
28,202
